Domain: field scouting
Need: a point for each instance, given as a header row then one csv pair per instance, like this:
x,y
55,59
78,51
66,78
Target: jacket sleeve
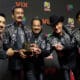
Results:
x,y
45,51
77,37
45,47
6,41
67,44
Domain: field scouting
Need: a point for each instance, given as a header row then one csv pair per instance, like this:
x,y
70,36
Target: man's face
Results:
x,y
2,24
36,27
18,15
58,27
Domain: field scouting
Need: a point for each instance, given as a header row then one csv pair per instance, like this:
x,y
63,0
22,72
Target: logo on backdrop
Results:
x,y
69,7
22,4
70,20
47,6
46,21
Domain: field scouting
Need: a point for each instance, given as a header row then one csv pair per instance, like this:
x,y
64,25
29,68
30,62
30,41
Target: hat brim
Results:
x,y
60,19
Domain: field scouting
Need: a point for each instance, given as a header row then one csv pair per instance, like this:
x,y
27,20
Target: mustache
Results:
x,y
36,29
20,17
1,27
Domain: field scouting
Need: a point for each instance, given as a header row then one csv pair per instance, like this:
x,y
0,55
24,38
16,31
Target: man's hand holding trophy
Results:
x,y
29,49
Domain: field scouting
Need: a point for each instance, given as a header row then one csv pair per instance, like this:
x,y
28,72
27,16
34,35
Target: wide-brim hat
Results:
x,y
55,19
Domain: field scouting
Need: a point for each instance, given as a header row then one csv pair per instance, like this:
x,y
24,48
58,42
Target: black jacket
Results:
x,y
10,41
2,51
41,41
67,56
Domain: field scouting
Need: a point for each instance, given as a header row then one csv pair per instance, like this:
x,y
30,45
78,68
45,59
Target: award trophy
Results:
x,y
27,46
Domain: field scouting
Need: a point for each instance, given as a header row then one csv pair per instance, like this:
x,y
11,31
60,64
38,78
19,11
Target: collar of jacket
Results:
x,y
17,24
58,35
37,35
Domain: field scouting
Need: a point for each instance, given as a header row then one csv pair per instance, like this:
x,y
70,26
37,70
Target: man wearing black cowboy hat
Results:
x,y
61,43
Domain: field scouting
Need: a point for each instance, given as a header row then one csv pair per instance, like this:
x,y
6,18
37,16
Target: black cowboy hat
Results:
x,y
55,19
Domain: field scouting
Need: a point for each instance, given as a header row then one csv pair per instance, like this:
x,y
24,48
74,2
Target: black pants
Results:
x,y
28,70
52,73
3,68
15,75
39,74
67,74
29,75
77,74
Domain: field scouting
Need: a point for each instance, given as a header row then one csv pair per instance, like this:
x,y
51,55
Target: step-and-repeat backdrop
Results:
x,y
42,9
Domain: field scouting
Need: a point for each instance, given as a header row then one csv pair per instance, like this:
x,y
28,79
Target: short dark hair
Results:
x,y
77,15
36,18
3,15
15,7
